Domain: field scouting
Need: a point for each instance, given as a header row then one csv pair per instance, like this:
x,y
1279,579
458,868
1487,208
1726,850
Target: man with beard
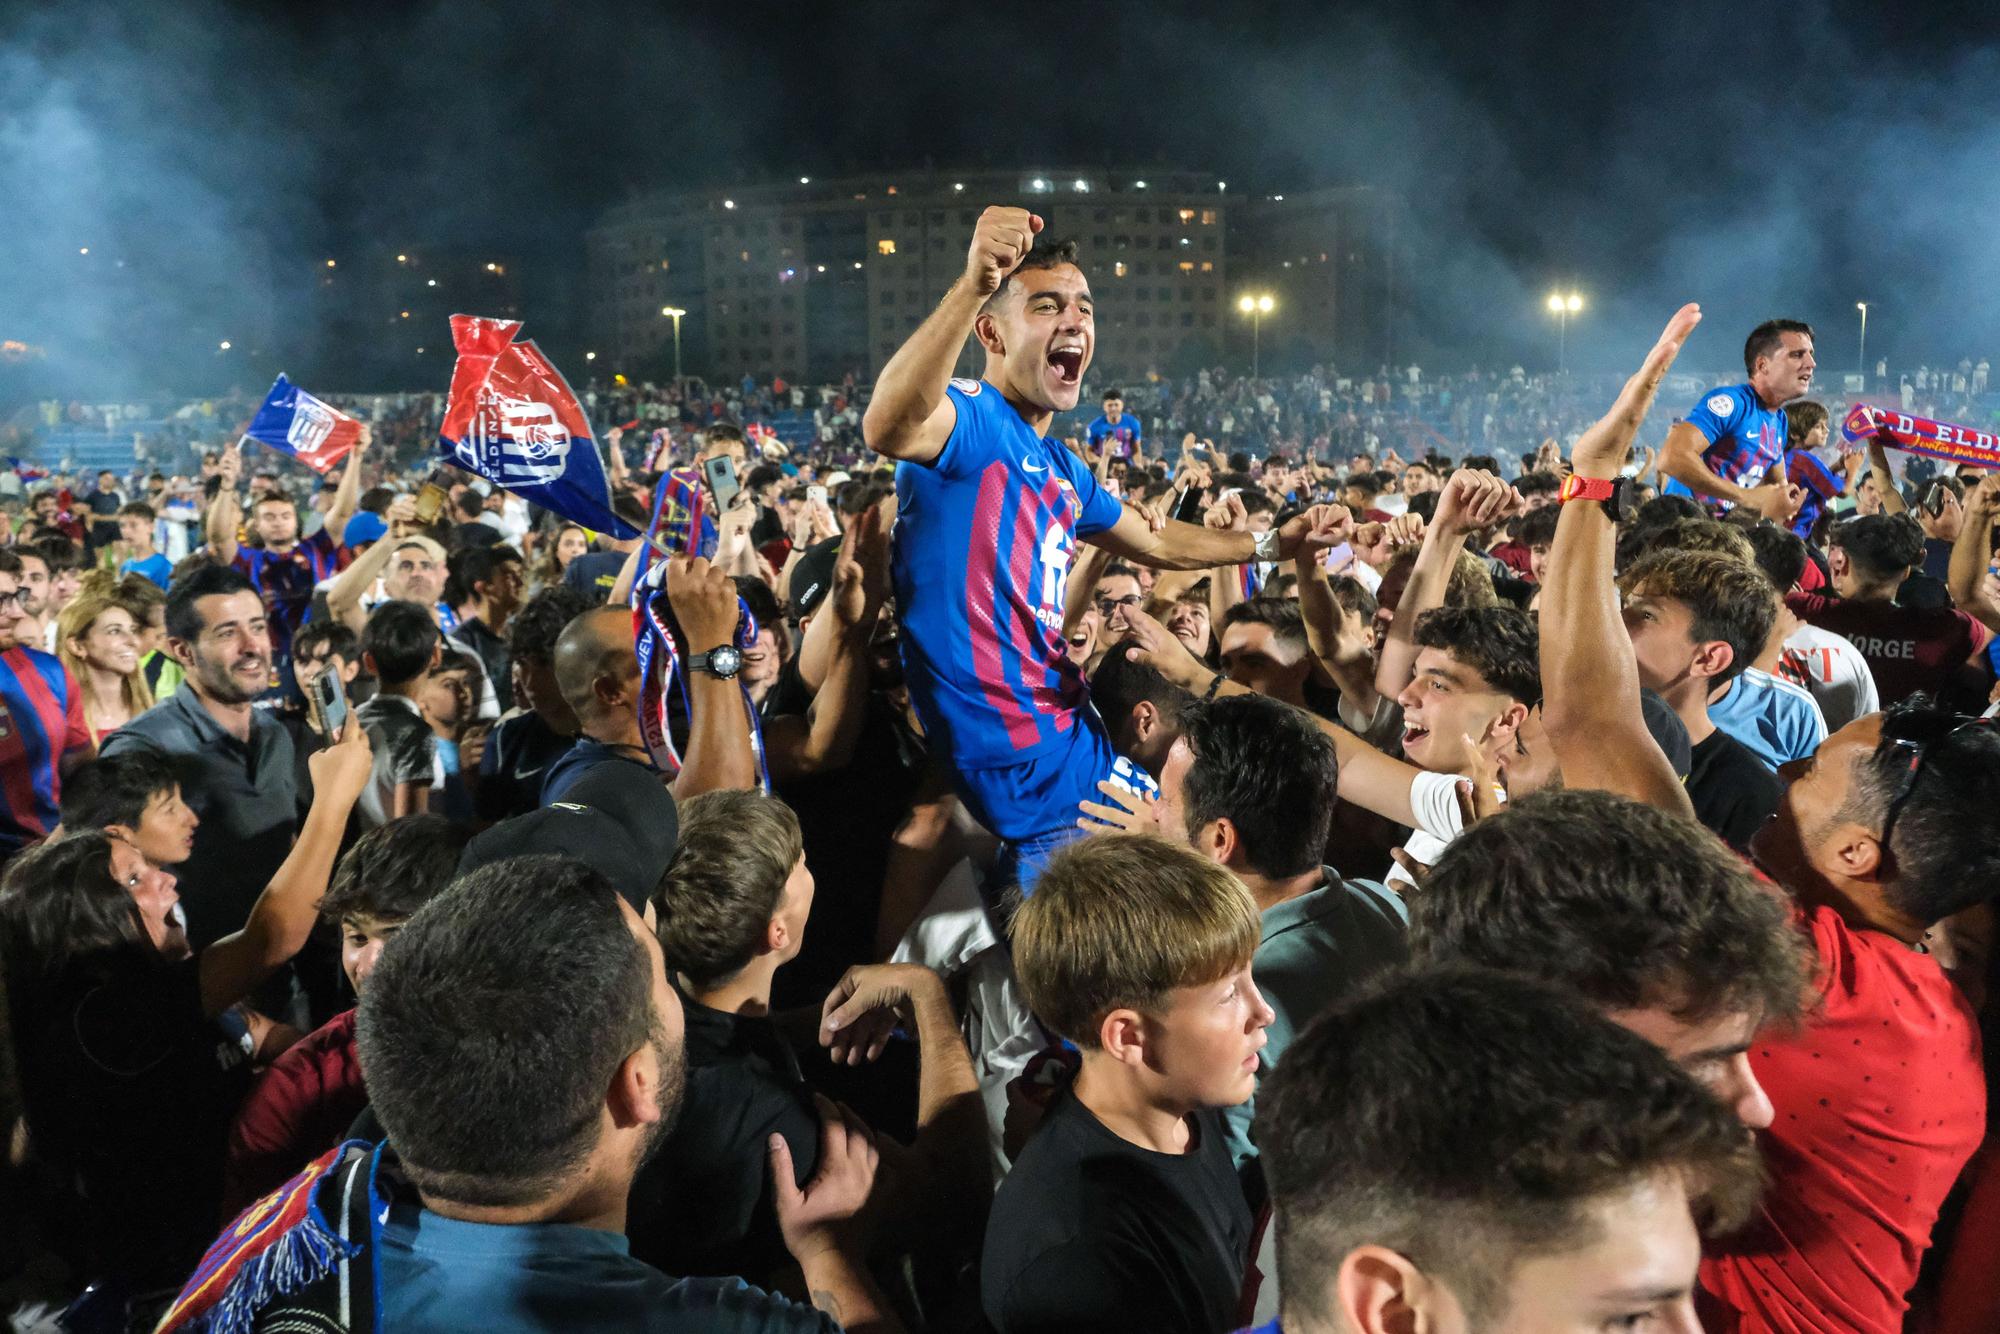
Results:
x,y
233,761
1731,447
523,1075
989,512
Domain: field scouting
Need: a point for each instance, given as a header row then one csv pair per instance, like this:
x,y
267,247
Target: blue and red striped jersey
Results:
x,y
984,536
41,720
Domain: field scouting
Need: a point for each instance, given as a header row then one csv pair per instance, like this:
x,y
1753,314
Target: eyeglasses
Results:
x,y
1920,751
1109,605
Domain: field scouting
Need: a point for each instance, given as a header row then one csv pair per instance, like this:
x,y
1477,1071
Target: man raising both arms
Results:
x,y
988,516
1731,447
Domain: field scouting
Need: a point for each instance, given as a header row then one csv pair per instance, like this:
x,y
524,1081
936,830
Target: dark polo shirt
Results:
x,y
245,795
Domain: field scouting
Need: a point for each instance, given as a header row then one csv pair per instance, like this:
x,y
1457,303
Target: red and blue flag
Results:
x,y
296,424
512,419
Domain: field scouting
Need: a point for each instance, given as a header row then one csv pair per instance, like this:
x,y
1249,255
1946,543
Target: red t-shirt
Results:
x,y
1908,648
1880,1101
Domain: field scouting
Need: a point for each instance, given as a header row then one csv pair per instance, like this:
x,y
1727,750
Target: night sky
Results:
x,y
1644,154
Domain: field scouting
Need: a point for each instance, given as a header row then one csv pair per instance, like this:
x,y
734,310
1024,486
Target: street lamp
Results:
x,y
1562,306
1862,306
674,313
1256,307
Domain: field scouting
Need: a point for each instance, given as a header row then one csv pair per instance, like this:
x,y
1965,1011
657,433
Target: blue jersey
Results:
x,y
1745,438
984,535
1125,432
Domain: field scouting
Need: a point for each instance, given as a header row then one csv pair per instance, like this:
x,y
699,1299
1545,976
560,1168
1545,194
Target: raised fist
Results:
x,y
1000,241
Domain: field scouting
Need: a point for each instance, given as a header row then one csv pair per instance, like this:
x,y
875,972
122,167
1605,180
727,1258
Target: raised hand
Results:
x,y
1601,451
1473,499
704,602
1128,810
1000,241
861,1013
829,1214
1228,515
1775,498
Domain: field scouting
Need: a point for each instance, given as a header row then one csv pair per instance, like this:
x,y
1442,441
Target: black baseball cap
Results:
x,y
613,819
812,576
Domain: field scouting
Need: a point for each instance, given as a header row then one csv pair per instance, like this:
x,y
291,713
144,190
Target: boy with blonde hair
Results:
x,y
1124,1211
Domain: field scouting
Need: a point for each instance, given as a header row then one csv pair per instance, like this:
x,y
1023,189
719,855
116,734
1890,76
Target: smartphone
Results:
x,y
720,473
332,698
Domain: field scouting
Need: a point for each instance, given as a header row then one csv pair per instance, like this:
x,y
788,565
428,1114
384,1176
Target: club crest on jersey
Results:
x,y
1721,405
970,388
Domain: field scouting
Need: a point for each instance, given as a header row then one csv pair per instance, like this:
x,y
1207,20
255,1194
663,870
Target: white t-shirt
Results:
x,y
1834,671
1434,802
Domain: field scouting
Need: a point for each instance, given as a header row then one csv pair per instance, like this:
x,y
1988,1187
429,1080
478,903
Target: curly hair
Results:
x,y
1730,600
1502,644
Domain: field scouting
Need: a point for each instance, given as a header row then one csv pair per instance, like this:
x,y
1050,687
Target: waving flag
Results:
x,y
512,419
295,423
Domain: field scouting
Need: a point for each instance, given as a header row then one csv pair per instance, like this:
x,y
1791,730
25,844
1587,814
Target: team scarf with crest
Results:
x,y
1920,435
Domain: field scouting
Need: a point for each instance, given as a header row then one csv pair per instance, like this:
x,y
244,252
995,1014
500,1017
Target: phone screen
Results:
x,y
722,484
332,700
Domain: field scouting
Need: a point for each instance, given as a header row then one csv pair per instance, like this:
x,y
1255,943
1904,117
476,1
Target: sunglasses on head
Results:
x,y
1919,749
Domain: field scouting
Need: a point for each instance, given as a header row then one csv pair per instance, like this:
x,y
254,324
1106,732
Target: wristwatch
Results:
x,y
722,663
1264,546
1614,496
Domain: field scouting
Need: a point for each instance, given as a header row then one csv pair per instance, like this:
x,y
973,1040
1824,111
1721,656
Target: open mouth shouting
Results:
x,y
1414,738
1066,363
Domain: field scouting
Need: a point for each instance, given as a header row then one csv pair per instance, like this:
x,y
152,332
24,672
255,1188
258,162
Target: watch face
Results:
x,y
725,661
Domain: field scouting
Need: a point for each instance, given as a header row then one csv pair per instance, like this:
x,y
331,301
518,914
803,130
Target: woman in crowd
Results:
x,y
131,1050
97,638
570,541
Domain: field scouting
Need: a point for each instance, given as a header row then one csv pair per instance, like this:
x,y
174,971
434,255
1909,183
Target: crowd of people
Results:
x,y
1152,859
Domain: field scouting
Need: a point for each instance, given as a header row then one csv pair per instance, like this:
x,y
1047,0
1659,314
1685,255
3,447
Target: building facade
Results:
x,y
817,279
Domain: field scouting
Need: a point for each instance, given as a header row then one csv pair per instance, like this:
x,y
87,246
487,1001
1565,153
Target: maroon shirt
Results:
x,y
300,1108
1908,648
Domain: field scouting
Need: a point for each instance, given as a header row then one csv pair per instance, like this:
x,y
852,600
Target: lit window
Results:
x,y
744,256
1187,215
1208,266
892,189
1118,269
1208,217
1187,266
885,246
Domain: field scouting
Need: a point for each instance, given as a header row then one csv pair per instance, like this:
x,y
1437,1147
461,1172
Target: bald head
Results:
x,y
595,667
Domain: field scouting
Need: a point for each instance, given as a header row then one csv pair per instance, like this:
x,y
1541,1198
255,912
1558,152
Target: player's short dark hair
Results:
x,y
1944,849
10,562
207,579
1265,768
1351,595
1765,338
470,503
1781,554
400,636
1047,253
115,790
1121,681
1802,417
736,850
1883,545
763,475
1501,643
395,869
1287,622
1729,600
493,1023
533,631
1468,1119
137,509
1629,905
1110,394
721,433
